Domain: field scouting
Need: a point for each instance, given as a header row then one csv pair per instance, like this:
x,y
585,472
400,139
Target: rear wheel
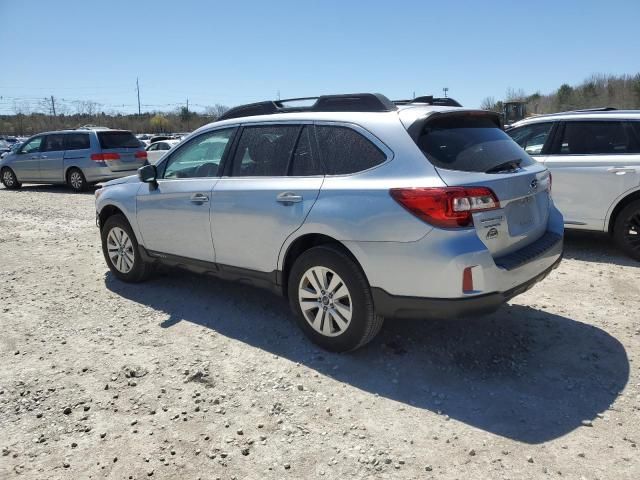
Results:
x,y
76,180
626,231
120,249
332,300
9,179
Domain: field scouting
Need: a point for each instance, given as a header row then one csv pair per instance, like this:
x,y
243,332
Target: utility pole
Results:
x,y
53,106
445,90
138,89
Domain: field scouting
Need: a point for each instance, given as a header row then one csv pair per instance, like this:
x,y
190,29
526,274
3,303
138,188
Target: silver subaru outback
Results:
x,y
354,207
77,158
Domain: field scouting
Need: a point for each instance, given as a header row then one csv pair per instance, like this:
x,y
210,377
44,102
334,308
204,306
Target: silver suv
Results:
x,y
75,157
594,156
354,207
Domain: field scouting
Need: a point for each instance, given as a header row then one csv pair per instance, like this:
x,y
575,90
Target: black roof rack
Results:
x,y
430,100
596,109
353,102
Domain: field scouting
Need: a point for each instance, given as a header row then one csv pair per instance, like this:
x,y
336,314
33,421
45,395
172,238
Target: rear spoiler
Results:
x,y
416,128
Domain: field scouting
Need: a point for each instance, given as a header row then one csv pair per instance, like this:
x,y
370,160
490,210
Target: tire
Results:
x,y
120,249
9,179
327,307
626,230
76,180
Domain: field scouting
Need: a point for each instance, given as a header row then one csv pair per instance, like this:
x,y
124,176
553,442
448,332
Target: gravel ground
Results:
x,y
190,377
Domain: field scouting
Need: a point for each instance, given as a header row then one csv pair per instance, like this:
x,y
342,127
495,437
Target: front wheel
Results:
x,y
332,300
626,231
9,179
120,249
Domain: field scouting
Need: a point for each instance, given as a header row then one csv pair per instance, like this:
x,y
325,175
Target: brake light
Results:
x,y
446,207
101,157
141,154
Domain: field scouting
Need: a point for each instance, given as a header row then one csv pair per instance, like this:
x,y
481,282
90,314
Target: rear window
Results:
x,y
118,140
470,144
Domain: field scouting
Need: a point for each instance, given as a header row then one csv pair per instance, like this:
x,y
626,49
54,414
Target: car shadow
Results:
x,y
595,247
521,373
33,187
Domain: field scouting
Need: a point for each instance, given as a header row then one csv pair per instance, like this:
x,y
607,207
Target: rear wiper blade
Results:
x,y
509,166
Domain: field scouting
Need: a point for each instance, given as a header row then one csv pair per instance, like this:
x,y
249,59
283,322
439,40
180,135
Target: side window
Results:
x,y
76,141
153,147
32,145
53,143
346,151
264,151
303,162
531,137
200,157
596,138
163,146
633,129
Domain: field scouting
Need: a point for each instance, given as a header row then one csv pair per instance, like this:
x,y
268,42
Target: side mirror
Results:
x,y
148,174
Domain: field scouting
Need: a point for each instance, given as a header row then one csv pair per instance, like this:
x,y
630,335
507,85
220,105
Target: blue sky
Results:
x,y
234,52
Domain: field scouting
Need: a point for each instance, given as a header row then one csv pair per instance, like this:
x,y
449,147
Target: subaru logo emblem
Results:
x,y
534,184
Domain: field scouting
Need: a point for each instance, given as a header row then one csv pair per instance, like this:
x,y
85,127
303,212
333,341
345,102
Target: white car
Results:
x,y
156,150
594,157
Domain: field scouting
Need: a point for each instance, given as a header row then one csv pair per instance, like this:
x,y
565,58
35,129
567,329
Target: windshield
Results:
x,y
470,144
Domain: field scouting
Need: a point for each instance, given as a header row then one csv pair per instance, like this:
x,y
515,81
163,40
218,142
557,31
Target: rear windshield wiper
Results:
x,y
510,166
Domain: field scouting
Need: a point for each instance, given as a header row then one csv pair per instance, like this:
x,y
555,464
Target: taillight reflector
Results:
x,y
467,280
101,157
446,207
141,154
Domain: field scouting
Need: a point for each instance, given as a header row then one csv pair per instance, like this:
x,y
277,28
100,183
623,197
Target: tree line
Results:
x,y
23,123
599,90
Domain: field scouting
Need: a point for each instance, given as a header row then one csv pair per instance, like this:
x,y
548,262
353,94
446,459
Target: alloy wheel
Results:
x,y
632,231
120,250
75,179
325,301
7,178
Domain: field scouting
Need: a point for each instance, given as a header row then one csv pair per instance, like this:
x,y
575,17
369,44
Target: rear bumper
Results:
x,y
423,308
104,174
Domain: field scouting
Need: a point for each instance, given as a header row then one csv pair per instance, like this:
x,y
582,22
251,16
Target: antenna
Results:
x,y
445,90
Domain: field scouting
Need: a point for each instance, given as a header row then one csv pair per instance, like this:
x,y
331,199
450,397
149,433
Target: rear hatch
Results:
x,y
469,148
121,150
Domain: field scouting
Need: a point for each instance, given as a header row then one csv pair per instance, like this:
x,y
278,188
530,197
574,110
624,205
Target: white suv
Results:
x,y
594,157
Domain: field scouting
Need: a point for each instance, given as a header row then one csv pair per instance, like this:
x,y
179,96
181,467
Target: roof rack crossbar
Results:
x,y
355,102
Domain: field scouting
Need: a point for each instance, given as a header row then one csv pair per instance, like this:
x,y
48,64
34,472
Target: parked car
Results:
x,y
75,157
354,208
5,147
594,157
156,150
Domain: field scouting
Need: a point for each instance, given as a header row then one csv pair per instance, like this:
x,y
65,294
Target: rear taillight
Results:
x,y
101,157
141,154
446,207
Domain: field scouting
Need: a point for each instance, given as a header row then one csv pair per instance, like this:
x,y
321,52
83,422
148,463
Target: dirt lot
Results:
x,y
190,377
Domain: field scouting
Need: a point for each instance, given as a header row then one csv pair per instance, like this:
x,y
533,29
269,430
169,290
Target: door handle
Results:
x,y
621,170
199,198
289,197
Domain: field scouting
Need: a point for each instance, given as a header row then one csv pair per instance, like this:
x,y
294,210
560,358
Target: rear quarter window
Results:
x,y
346,151
469,143
118,139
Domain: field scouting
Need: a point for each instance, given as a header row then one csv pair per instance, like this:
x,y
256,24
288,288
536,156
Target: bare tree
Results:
x,y
216,111
488,103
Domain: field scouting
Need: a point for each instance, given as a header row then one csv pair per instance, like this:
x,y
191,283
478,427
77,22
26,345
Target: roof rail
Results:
x,y
596,109
353,102
92,127
430,100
